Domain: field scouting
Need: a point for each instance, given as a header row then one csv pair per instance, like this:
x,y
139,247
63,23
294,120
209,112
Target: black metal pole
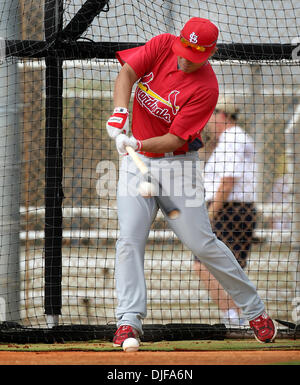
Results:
x,y
53,187
70,50
83,18
53,168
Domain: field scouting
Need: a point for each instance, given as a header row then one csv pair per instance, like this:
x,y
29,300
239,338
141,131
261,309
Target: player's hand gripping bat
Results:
x,y
165,203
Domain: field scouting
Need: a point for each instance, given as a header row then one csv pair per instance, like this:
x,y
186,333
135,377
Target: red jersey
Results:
x,y
167,100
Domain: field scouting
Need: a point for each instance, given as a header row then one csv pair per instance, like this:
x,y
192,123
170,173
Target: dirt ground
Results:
x,y
149,358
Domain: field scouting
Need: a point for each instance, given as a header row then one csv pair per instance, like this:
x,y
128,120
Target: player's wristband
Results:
x,y
120,110
139,145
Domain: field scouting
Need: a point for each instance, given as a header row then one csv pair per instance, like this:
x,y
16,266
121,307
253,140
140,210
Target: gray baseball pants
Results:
x,y
181,177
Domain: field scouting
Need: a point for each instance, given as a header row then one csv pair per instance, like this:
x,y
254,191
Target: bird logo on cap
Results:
x,y
193,38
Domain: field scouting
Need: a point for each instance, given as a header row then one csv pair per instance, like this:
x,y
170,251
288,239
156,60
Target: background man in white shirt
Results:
x,y
229,180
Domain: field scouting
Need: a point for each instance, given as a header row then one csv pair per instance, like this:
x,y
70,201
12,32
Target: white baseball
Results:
x,y
130,345
147,189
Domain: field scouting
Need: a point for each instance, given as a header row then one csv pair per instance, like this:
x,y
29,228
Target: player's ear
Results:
x,y
213,52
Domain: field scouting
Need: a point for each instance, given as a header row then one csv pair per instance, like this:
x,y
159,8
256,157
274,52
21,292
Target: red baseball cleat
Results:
x,y
124,332
264,328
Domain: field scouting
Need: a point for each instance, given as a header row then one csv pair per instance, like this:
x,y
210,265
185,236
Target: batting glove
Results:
x,y
122,141
118,123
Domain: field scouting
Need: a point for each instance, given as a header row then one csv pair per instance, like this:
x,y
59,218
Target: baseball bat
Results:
x,y
165,203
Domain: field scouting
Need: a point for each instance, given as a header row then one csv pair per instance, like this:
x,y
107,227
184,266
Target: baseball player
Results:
x,y
176,94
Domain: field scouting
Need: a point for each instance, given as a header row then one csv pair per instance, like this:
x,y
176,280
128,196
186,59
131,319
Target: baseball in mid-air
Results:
x,y
130,345
147,189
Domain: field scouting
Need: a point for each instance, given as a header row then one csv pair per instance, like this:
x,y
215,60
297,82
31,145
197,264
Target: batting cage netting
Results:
x,y
59,168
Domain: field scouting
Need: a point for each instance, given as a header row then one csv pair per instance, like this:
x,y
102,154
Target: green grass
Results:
x,y
204,345
287,363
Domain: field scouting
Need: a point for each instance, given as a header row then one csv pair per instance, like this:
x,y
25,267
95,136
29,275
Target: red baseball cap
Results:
x,y
197,40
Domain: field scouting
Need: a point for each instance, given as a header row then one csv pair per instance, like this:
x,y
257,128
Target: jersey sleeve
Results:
x,y
192,117
141,59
